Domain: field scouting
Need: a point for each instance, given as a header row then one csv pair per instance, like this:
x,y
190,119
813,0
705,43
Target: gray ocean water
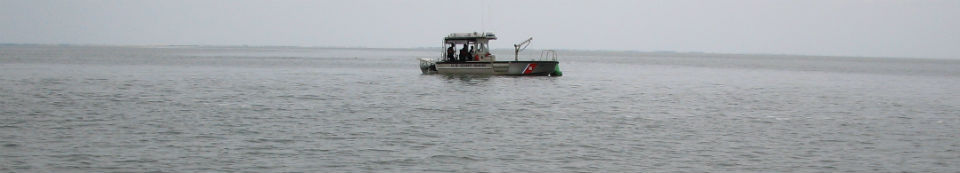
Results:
x,y
289,109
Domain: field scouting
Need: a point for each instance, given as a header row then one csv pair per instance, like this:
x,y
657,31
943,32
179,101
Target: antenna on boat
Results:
x,y
483,5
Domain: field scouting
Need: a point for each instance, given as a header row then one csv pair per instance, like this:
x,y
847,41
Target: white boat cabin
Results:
x,y
475,44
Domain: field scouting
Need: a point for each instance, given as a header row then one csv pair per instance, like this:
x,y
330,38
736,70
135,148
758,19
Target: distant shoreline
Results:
x,y
624,52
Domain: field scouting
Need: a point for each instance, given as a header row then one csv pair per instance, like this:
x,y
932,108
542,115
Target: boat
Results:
x,y
480,61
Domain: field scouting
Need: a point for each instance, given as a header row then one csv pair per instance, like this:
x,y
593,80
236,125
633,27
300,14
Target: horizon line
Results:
x,y
439,48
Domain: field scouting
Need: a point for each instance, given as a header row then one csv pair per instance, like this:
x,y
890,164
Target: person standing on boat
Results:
x,y
471,53
464,55
450,53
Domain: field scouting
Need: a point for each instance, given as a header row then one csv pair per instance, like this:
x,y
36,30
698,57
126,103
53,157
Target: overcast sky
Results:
x,y
895,28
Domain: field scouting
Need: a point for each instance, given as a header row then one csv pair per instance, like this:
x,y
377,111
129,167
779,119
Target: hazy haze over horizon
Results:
x,y
888,28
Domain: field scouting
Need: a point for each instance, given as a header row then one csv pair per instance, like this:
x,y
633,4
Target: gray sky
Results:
x,y
898,28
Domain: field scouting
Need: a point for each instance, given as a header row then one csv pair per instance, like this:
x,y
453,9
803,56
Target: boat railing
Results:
x,y
548,55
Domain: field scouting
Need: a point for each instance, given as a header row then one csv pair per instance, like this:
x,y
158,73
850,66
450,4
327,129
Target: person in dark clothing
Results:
x,y
464,55
472,51
450,53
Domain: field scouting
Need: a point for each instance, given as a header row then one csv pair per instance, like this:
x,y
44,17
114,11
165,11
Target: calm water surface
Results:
x,y
210,109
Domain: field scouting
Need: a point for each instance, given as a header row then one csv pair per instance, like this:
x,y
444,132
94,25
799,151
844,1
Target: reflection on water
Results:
x,y
466,79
